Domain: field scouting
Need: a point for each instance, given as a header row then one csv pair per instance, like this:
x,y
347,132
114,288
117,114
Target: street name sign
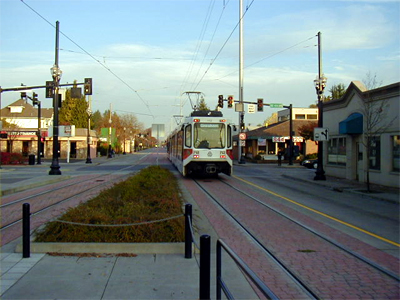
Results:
x,y
276,105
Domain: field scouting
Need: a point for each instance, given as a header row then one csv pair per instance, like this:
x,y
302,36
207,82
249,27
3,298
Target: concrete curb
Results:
x,y
101,248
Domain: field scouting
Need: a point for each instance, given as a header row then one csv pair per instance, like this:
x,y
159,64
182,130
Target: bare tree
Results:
x,y
375,114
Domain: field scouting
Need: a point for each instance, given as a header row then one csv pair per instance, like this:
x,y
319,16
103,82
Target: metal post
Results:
x,y
205,266
188,234
290,136
26,231
89,112
39,136
241,113
56,73
320,173
219,270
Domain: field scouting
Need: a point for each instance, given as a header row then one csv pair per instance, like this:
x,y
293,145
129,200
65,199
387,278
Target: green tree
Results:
x,y
337,91
203,105
73,111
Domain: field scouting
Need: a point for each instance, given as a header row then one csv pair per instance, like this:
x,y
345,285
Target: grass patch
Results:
x,y
152,194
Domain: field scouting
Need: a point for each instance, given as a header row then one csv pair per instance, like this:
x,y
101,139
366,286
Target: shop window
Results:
x,y
375,153
300,117
396,153
337,151
312,117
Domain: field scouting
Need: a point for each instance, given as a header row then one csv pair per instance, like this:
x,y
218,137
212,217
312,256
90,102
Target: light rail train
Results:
x,y
202,144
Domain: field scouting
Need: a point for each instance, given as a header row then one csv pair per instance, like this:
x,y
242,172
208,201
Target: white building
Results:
x,y
348,120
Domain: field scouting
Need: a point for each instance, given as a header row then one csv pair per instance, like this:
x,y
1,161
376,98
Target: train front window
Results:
x,y
209,135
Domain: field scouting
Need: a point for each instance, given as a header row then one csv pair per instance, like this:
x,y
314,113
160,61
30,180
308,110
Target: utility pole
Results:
x,y
241,113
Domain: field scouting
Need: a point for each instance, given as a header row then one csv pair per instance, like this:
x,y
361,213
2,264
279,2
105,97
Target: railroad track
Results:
x,y
347,267
47,202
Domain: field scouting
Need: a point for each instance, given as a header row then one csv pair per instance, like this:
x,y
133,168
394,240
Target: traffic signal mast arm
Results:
x,y
87,87
279,105
21,88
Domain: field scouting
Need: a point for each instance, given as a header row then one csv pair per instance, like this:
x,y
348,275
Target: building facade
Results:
x,y
364,135
21,127
268,140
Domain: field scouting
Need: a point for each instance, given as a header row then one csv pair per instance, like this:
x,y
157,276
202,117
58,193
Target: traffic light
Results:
x,y
35,100
23,95
242,127
260,104
88,86
49,89
230,101
221,101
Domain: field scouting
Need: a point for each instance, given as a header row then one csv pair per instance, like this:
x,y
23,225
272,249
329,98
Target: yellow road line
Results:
x,y
320,213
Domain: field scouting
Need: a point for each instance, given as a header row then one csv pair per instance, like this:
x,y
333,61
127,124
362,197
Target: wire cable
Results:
x,y
98,61
223,46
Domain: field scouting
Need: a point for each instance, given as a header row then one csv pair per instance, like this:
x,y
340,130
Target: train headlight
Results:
x,y
196,154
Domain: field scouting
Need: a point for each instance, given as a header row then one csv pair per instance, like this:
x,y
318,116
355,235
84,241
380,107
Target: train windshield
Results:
x,y
209,135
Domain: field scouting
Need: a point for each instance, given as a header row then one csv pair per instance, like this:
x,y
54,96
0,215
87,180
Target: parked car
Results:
x,y
310,163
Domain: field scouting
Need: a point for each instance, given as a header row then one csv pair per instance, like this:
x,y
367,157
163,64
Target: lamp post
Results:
x,y
55,166
320,84
124,153
88,158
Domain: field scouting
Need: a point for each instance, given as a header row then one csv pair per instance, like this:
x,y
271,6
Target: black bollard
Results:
x,y
188,234
205,266
26,231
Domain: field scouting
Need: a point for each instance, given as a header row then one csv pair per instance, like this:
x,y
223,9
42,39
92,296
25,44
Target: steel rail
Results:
x,y
51,205
310,294
325,238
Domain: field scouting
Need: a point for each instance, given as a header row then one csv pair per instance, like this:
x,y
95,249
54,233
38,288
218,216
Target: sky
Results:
x,y
145,55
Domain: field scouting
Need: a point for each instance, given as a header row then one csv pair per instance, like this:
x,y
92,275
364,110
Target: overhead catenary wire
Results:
x,y
199,42
223,46
269,56
98,61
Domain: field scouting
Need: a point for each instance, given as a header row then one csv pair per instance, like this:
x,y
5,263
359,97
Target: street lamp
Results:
x,y
320,84
56,74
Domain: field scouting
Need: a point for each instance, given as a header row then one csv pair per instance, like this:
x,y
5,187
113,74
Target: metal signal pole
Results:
x,y
241,113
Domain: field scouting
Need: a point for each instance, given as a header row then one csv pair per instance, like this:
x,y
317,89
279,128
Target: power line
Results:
x,y
223,46
86,52
269,56
199,42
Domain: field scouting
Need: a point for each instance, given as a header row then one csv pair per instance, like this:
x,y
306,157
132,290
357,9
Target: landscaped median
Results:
x,y
140,215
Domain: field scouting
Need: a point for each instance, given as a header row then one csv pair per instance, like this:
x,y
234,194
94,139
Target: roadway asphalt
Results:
x,y
153,275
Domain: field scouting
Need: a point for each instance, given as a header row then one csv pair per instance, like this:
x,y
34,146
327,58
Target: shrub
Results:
x,y
152,194
312,156
12,158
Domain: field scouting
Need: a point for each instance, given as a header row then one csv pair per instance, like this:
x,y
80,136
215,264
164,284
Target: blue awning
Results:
x,y
352,125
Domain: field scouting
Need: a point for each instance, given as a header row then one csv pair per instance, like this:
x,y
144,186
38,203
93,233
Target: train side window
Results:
x,y
188,136
229,137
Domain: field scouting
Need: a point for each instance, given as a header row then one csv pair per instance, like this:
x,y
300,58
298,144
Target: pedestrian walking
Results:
x,y
279,158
